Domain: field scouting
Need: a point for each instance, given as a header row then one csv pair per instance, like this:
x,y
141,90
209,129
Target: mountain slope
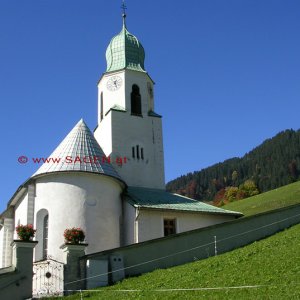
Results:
x,y
276,162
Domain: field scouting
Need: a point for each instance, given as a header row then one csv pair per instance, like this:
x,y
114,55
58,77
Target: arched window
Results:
x,y
136,101
101,106
45,236
42,233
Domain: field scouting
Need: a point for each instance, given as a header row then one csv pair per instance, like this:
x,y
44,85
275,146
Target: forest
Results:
x,y
274,163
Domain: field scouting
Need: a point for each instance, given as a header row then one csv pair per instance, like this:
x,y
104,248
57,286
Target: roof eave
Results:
x,y
141,207
123,69
18,193
120,180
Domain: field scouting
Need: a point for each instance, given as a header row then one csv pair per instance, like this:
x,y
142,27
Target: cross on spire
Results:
x,y
124,7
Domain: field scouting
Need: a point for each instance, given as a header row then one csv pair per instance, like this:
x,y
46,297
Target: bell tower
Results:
x,y
129,131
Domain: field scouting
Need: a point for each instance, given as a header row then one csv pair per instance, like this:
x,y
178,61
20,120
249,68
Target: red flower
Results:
x,y
25,232
74,235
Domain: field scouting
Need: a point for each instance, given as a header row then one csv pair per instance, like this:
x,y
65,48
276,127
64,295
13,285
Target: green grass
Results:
x,y
281,197
273,264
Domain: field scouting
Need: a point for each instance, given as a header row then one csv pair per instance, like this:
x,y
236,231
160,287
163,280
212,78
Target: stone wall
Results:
x,y
16,281
194,245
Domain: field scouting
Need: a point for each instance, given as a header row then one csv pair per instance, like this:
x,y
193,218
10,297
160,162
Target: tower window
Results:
x,y
169,226
137,152
136,101
101,106
45,236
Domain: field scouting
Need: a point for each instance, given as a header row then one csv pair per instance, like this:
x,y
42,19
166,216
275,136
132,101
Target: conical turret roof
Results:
x,y
79,151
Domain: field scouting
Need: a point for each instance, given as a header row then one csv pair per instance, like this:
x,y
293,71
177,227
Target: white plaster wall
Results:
x,y
6,237
2,246
122,96
129,224
150,222
9,226
141,79
103,135
110,98
30,203
89,201
21,212
118,132
129,131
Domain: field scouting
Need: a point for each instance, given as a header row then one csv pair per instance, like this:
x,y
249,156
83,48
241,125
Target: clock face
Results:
x,y
114,83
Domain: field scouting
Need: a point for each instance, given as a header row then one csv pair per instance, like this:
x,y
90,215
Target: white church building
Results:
x,y
111,182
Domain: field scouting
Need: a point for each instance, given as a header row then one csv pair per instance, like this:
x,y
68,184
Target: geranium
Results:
x,y
74,235
25,232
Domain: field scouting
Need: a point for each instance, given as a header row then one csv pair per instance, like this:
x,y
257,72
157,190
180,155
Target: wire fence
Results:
x,y
214,243
200,289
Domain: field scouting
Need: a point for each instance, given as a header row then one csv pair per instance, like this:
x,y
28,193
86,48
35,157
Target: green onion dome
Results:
x,y
125,52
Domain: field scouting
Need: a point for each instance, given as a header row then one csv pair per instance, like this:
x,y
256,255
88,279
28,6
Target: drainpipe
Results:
x,y
136,225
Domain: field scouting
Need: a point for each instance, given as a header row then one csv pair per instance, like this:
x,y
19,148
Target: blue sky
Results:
x,y
227,75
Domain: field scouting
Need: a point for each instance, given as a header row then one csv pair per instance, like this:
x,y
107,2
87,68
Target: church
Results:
x,y
109,182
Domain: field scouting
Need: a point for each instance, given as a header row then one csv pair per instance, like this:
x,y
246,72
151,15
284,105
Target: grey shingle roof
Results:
x,y
160,199
80,147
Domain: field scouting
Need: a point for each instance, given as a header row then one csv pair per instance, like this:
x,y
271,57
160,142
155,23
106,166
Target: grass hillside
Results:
x,y
268,269
281,197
